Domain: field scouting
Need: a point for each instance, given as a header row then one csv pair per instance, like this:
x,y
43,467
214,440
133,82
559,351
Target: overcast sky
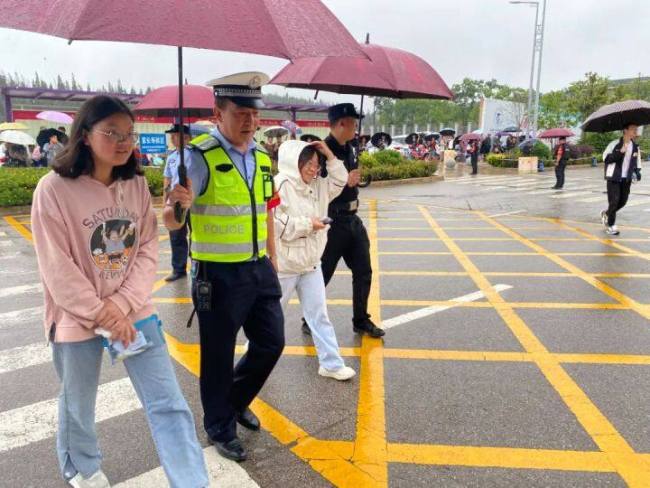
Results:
x,y
460,38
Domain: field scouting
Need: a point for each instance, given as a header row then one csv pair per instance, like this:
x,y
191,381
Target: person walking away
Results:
x,y
561,155
347,237
52,148
622,164
177,238
96,241
486,146
234,282
64,137
473,153
301,230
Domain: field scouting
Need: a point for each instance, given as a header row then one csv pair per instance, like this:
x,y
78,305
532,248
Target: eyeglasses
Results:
x,y
116,137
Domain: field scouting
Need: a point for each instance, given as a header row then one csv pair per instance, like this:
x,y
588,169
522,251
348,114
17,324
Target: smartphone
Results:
x,y
326,220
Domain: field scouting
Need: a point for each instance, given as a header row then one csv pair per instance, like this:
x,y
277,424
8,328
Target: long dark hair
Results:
x,y
76,158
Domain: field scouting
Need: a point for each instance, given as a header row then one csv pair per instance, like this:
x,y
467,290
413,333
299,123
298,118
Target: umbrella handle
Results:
x,y
179,212
366,183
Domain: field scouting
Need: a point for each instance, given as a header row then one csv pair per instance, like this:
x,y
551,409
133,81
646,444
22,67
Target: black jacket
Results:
x,y
346,154
616,157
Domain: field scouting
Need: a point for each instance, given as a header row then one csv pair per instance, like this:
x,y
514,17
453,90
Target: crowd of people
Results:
x,y
49,143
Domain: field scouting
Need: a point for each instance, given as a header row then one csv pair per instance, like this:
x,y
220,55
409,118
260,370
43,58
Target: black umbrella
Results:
x,y
617,115
309,138
44,135
447,131
381,140
412,138
431,136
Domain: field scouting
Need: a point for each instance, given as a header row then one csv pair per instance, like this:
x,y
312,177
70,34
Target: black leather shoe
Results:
x,y
368,327
305,328
175,276
233,449
248,419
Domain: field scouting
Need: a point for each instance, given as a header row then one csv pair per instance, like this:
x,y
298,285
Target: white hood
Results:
x,y
288,161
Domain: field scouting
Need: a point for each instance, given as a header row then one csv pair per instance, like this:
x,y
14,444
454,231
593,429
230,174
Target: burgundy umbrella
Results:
x,y
617,115
553,133
280,28
198,101
471,137
388,72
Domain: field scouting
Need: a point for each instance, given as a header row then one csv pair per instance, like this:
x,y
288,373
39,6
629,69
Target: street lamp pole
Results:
x,y
538,39
539,65
532,73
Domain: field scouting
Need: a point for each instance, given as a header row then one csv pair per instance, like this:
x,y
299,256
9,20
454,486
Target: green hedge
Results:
x,y
17,184
500,161
391,165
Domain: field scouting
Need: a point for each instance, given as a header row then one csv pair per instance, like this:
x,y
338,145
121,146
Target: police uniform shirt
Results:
x,y
197,169
346,154
171,166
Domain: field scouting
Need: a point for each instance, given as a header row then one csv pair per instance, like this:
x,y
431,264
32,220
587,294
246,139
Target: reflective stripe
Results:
x,y
226,211
214,248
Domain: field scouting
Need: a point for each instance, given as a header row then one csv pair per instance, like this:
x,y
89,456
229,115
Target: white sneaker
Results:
x,y
612,231
341,374
98,480
603,217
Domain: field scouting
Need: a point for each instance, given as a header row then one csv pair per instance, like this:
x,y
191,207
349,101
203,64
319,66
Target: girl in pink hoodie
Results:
x,y
96,239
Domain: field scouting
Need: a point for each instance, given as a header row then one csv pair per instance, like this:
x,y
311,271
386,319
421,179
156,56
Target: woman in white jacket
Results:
x,y
301,235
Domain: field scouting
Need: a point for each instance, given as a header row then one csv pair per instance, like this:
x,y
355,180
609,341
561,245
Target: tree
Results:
x,y
586,96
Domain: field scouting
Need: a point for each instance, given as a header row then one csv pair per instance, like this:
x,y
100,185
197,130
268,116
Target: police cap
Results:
x,y
243,89
341,111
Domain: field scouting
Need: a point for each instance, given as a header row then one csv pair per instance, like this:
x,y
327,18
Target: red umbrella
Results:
x,y
388,72
553,133
198,101
281,28
470,137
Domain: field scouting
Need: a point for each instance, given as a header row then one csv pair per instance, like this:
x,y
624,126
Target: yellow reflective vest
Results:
x,y
228,220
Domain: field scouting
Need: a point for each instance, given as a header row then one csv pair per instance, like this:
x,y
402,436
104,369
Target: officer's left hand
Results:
x,y
638,174
354,178
185,196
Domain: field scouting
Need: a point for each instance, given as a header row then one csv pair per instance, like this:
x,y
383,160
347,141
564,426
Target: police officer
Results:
x,y
347,237
234,280
177,238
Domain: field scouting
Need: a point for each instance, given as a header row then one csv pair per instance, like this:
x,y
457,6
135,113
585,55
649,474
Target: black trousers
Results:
x,y
474,160
348,239
180,248
243,294
617,194
559,174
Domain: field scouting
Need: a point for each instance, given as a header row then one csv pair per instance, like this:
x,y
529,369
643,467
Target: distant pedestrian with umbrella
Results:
x,y
622,157
561,156
622,166
178,237
52,148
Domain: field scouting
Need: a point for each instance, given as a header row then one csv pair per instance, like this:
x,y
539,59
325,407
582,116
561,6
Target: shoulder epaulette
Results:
x,y
204,142
260,148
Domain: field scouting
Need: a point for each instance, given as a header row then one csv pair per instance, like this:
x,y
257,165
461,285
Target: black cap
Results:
x,y
342,110
176,128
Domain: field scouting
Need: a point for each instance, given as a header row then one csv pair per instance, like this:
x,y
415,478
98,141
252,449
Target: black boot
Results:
x,y
367,326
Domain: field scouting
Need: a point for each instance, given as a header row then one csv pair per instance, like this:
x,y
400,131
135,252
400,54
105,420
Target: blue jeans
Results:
x,y
180,249
152,375
311,293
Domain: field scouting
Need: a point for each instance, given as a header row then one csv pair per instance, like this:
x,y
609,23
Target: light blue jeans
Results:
x,y
152,375
310,288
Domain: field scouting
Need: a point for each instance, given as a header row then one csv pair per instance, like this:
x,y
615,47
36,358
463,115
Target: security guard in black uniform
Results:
x,y
234,281
347,237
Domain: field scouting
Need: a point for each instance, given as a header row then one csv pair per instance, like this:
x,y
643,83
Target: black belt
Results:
x,y
344,208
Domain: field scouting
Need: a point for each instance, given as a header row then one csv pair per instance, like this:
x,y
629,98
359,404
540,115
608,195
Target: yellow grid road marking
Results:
x,y
604,434
607,242
20,228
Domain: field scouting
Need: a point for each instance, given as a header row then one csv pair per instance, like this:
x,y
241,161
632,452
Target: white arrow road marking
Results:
x,y
427,311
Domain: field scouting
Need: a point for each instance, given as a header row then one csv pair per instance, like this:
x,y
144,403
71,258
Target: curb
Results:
x,y
405,181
